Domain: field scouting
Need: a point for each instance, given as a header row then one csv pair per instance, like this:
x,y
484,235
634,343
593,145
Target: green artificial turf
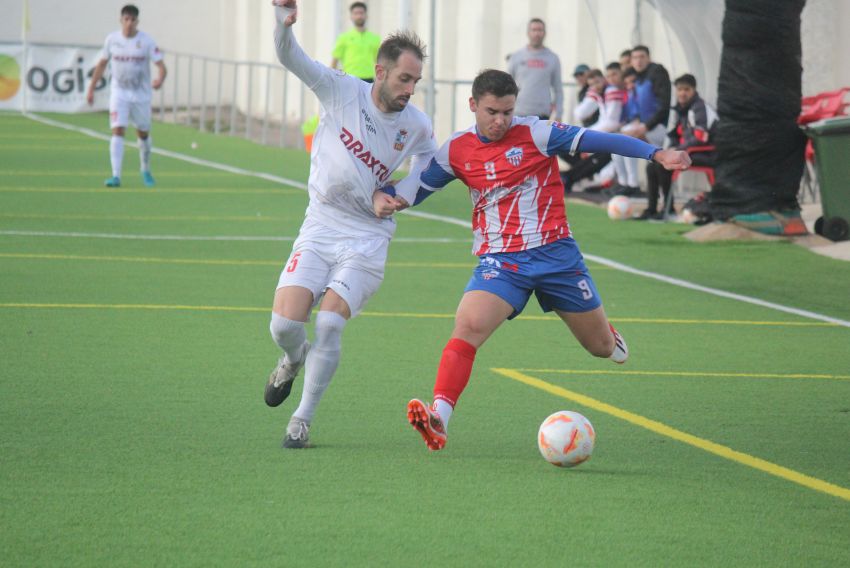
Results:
x,y
135,434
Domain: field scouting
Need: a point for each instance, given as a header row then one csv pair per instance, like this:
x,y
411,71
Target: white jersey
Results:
x,y
130,62
356,147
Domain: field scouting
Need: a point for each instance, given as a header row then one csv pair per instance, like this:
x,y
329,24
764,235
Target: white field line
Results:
x,y
175,155
126,236
463,223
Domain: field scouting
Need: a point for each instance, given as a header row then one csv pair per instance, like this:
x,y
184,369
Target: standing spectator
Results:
x,y
537,71
357,49
695,120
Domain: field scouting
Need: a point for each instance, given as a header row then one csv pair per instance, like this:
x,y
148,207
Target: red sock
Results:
x,y
455,368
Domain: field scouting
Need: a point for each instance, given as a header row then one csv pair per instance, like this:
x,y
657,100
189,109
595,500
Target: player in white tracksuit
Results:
x,y
130,52
365,132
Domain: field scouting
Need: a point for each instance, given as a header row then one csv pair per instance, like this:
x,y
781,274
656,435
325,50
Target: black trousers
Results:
x,y
659,180
586,167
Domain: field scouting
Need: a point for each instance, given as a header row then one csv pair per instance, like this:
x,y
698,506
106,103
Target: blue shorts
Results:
x,y
554,272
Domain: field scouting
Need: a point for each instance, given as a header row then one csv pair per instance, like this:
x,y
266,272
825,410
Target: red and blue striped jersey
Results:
x,y
514,183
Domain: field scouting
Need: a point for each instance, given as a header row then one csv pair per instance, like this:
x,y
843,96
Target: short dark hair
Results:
x,y
614,65
395,44
686,79
131,10
358,5
536,21
625,52
595,73
494,82
630,71
642,48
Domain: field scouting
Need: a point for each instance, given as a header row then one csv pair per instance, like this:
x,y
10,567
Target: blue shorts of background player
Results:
x,y
555,272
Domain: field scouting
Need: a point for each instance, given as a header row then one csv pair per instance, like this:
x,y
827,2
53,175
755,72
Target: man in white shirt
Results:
x,y
365,132
131,52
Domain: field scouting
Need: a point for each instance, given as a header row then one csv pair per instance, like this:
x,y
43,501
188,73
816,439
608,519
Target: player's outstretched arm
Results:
x,y
593,141
289,53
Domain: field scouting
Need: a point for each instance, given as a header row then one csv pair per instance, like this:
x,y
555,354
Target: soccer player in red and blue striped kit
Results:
x,y
521,234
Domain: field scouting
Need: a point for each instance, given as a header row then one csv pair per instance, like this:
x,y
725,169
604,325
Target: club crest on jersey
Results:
x,y
514,156
400,139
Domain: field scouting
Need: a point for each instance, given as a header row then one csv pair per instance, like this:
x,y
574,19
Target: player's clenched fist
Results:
x,y
384,205
290,4
673,159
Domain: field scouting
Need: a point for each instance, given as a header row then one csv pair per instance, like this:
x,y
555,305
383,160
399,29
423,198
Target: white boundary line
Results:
x,y
460,222
130,236
175,155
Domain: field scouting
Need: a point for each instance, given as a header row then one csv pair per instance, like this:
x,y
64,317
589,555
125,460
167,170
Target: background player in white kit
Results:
x,y
365,132
131,52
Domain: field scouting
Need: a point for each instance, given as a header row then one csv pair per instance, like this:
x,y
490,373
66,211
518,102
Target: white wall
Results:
x,y
471,34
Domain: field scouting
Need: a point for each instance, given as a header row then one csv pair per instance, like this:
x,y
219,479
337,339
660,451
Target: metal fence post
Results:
x,y
202,121
249,106
218,97
268,95
176,85
189,93
283,109
233,102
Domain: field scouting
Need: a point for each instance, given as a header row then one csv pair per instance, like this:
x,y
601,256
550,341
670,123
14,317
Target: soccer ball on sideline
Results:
x,y
620,208
566,439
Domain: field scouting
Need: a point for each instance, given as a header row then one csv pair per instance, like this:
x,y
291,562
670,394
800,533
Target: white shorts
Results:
x,y
122,111
322,258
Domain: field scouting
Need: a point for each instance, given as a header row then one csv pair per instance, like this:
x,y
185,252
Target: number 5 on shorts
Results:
x,y
293,263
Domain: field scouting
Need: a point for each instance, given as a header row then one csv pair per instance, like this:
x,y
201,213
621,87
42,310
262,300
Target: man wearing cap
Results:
x,y
537,71
580,74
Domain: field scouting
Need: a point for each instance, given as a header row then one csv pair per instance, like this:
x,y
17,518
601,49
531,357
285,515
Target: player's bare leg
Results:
x,y
116,156
596,334
321,361
145,146
479,314
290,311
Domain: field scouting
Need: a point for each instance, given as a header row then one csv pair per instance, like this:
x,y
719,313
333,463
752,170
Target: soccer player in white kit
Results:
x,y
131,52
365,132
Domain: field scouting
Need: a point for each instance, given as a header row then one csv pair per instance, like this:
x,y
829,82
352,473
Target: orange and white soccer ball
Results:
x,y
566,439
620,208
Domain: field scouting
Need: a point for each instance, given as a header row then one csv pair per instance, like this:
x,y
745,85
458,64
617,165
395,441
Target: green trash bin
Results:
x,y
831,140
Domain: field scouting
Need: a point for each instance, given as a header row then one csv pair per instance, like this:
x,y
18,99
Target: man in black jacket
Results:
x,y
695,120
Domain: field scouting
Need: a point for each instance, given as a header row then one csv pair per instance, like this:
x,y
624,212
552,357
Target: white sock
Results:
x,y
322,362
444,409
145,145
289,334
116,154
